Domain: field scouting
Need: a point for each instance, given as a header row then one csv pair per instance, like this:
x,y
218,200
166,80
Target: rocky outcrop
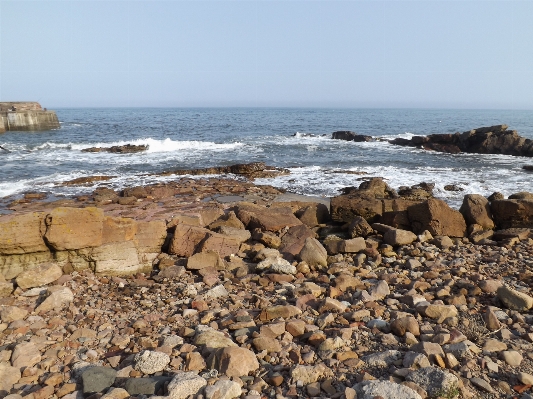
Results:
x,y
347,135
509,213
77,239
253,170
118,149
484,140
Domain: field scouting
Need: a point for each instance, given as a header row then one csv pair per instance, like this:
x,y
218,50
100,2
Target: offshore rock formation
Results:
x,y
23,116
253,170
118,149
349,136
484,140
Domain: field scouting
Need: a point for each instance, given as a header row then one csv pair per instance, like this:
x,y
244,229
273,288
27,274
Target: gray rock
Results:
x,y
459,350
149,362
276,265
97,379
514,300
382,359
481,384
384,389
185,384
145,386
432,379
223,389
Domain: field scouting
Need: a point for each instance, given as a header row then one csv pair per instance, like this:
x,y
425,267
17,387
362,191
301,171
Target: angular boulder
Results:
x,y
266,219
438,218
233,361
313,253
74,228
40,275
476,210
512,213
186,240
21,234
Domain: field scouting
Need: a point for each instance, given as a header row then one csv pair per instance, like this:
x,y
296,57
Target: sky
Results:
x,y
355,54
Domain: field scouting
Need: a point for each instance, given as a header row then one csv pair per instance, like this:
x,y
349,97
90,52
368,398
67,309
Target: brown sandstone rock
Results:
x,y
313,253
233,361
186,240
73,228
438,218
512,213
20,234
293,240
476,210
9,376
269,219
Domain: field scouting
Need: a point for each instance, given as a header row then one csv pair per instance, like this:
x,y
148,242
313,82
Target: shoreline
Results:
x,y
217,287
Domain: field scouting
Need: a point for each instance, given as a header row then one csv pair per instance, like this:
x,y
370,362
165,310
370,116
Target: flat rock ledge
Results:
x,y
172,293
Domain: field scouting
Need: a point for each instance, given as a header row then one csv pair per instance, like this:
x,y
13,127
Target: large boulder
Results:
x,y
40,275
313,253
344,208
512,213
233,361
476,210
438,218
21,234
74,228
120,258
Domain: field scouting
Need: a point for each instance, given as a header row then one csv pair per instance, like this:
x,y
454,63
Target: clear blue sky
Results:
x,y
429,54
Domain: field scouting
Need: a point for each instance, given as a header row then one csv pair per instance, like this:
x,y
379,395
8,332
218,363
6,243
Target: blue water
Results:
x,y
195,138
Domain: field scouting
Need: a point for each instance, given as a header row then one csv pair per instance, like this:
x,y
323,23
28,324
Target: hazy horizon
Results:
x,y
394,54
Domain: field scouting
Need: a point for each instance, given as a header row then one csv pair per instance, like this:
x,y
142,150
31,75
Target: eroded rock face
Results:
x,y
21,234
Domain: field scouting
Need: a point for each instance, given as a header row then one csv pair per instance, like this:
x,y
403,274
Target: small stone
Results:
x,y
512,358
525,378
493,345
185,384
12,313
382,359
405,324
481,384
223,389
41,275
149,362
116,393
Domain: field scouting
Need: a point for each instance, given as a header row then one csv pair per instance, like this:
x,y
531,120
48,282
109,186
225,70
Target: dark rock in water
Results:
x,y
118,149
484,140
253,170
87,181
417,192
349,136
453,187
527,167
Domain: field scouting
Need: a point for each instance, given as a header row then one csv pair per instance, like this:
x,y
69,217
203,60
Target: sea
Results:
x,y
298,139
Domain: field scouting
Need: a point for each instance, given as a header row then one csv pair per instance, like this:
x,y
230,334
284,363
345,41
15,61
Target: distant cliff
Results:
x,y
23,116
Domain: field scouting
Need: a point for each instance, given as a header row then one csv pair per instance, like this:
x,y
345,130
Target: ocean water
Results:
x,y
297,139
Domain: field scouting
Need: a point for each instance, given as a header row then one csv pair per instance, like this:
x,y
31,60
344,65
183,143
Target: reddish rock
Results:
x,y
438,218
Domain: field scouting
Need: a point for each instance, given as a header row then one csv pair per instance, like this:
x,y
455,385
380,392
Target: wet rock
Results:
x,y
118,149
97,379
347,135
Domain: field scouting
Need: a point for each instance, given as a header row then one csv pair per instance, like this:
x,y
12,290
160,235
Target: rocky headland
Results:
x,y
218,288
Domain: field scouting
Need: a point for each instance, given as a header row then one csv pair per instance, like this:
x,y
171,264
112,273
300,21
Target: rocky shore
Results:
x,y
217,288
